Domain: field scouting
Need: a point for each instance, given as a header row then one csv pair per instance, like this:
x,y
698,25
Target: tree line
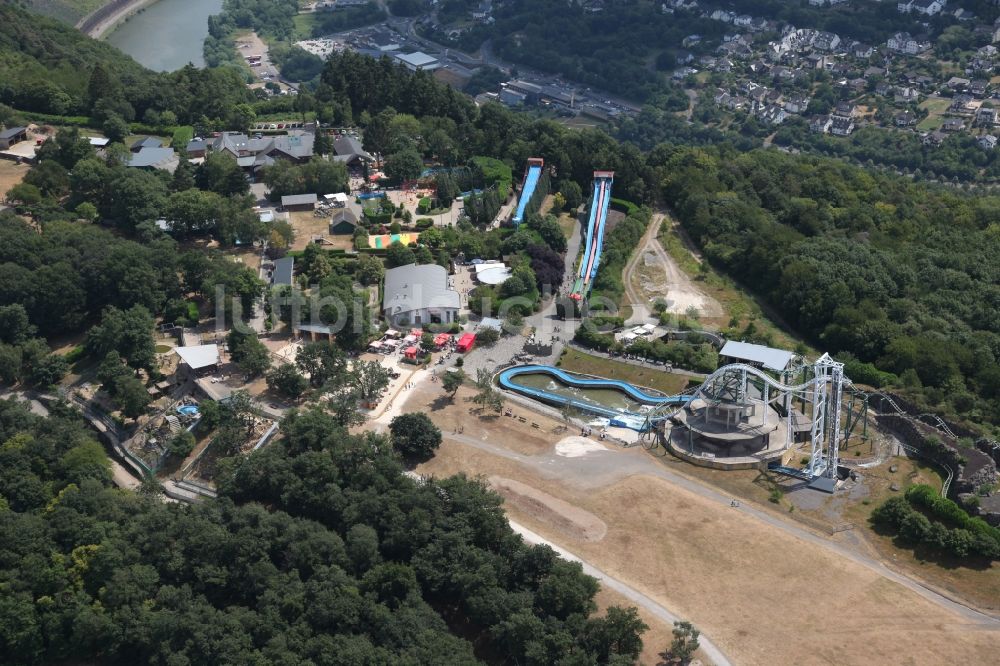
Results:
x,y
318,551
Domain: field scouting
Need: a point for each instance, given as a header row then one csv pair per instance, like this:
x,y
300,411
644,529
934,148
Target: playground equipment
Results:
x,y
531,177
596,224
618,417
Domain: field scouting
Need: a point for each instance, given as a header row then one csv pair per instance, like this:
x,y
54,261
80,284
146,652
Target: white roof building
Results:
x,y
419,60
199,356
768,357
416,295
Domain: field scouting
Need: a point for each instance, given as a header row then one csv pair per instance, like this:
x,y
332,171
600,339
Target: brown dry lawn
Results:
x,y
10,175
763,595
306,225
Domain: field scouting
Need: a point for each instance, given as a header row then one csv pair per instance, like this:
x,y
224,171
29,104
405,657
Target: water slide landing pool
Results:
x,y
623,410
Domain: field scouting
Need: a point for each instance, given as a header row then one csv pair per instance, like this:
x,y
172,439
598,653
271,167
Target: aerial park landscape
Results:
x,y
401,332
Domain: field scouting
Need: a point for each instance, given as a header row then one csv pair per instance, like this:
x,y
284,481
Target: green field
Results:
x,y
585,364
935,113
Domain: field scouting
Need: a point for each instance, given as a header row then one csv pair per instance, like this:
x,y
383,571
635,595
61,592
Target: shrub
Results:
x,y
424,223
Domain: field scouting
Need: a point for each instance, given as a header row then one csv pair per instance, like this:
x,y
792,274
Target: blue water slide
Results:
x,y
595,197
618,417
530,182
602,225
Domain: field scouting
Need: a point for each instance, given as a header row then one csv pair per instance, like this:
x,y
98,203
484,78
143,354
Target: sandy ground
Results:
x,y
653,274
765,593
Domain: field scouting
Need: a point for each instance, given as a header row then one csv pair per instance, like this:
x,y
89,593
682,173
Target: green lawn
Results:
x,y
935,112
304,24
585,364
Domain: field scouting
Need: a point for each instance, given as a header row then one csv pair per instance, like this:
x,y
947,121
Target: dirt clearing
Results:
x,y
10,175
572,521
652,274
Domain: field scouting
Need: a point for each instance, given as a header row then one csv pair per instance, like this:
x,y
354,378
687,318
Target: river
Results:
x,y
167,34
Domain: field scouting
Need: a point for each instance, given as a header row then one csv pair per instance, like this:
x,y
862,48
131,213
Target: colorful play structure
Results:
x,y
528,185
385,240
596,224
617,417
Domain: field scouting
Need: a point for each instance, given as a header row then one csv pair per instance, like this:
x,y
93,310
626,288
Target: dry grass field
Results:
x,y
765,594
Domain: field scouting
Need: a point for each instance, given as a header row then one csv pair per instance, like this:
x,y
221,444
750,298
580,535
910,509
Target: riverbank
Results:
x,y
115,17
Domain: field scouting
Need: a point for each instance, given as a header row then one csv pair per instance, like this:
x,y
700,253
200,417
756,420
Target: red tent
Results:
x,y
466,341
441,339
411,352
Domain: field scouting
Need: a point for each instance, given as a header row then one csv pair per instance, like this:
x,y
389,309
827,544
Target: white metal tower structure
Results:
x,y
829,378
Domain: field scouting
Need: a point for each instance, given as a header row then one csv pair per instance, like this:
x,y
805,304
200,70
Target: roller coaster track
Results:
x,y
938,424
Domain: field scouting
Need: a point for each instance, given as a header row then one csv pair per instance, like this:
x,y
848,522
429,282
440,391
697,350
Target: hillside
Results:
x,y
69,11
49,67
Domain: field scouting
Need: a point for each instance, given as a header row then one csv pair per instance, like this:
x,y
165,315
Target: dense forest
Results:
x,y
319,551
899,276
49,67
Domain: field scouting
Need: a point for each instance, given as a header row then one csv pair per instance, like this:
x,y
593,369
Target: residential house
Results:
x,y
934,138
683,57
846,110
987,142
771,114
723,15
826,41
196,148
796,103
905,43
906,95
884,88
978,89
860,50
987,117
905,119
758,24
743,20
820,124
957,83
922,7
841,126
964,105
691,40
953,125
